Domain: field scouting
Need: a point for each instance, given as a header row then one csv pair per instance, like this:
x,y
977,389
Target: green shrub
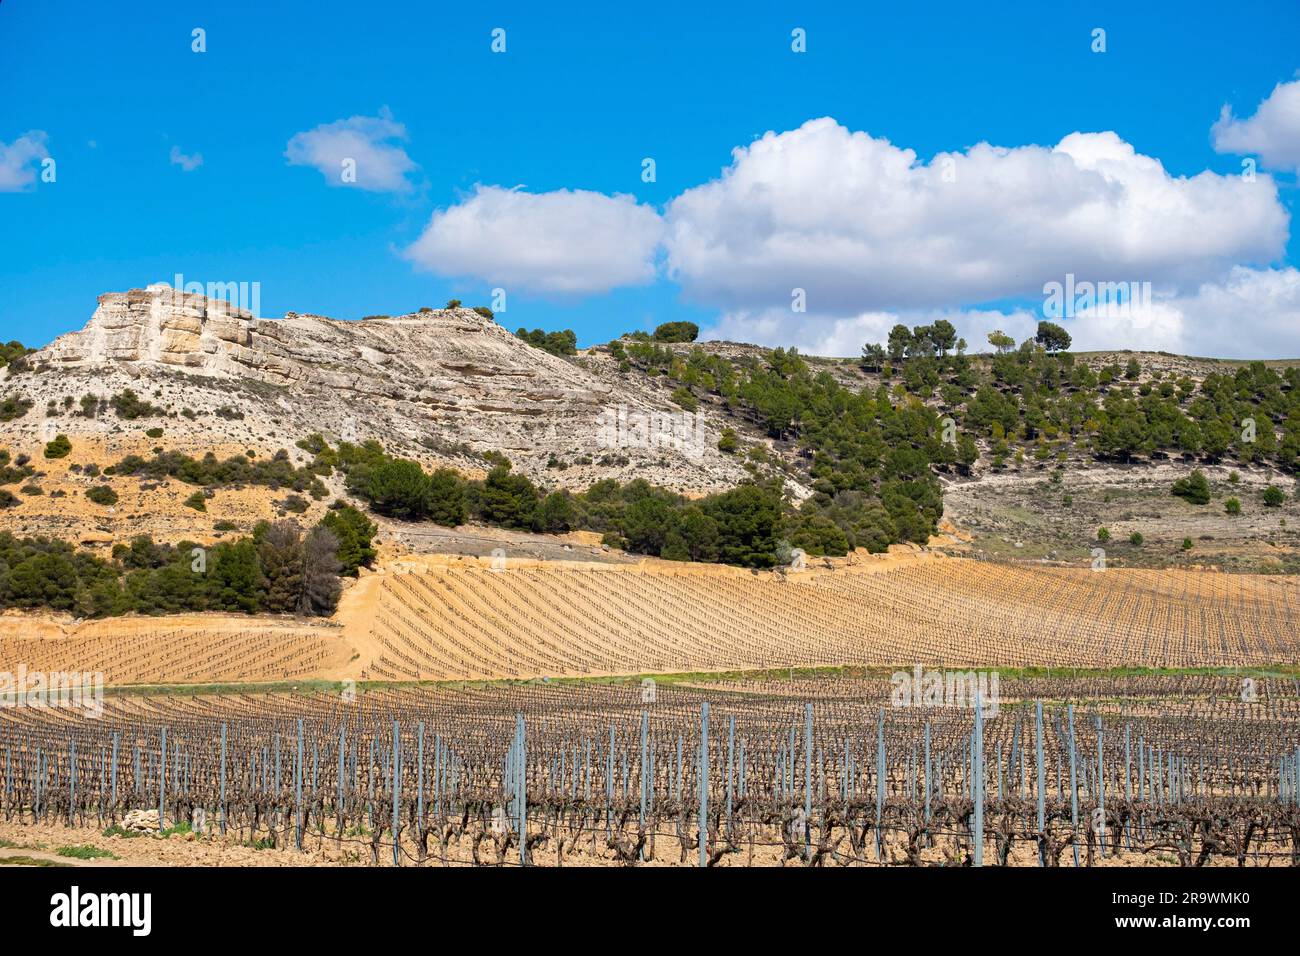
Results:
x,y
1135,538
313,444
275,472
59,448
354,532
1187,544
676,332
102,495
1103,534
508,499
1274,496
557,513
399,488
198,501
728,441
117,830
557,343
14,406
1195,488
12,352
128,405
154,432
1232,506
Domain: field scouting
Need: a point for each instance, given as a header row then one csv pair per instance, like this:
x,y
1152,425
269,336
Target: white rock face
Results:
x,y
156,324
420,383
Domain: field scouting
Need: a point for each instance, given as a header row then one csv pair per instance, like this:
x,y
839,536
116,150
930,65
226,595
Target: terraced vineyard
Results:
x,y
215,650
464,621
470,622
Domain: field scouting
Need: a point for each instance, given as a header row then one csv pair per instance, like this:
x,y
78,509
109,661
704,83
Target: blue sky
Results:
x,y
582,94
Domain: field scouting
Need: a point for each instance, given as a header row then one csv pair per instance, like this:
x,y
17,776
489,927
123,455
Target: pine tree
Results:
x,y
280,553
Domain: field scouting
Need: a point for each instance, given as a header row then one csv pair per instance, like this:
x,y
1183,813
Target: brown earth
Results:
x,y
452,617
41,842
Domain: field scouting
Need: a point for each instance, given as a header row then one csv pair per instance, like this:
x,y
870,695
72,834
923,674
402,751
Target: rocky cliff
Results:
x,y
444,386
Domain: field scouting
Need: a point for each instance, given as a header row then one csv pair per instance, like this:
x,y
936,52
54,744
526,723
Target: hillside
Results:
x,y
1026,454
441,386
448,618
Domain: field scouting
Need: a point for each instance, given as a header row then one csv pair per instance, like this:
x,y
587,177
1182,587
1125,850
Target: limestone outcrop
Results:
x,y
444,386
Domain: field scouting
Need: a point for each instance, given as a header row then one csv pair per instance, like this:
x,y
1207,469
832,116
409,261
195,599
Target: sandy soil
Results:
x,y
43,842
155,508
456,617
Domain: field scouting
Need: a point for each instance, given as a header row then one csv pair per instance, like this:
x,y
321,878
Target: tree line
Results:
x,y
754,524
280,569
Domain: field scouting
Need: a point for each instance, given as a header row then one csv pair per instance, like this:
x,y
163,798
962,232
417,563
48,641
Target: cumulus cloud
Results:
x,y
1273,133
831,335
1250,313
567,242
863,226
362,152
20,159
187,163
873,235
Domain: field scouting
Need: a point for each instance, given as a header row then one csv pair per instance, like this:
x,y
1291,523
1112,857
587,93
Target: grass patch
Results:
x,y
28,861
116,830
85,851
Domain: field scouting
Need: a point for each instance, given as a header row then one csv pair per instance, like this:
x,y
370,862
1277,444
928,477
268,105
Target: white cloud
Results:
x,y
863,226
844,336
18,160
1273,133
361,152
875,236
568,242
187,163
1251,313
